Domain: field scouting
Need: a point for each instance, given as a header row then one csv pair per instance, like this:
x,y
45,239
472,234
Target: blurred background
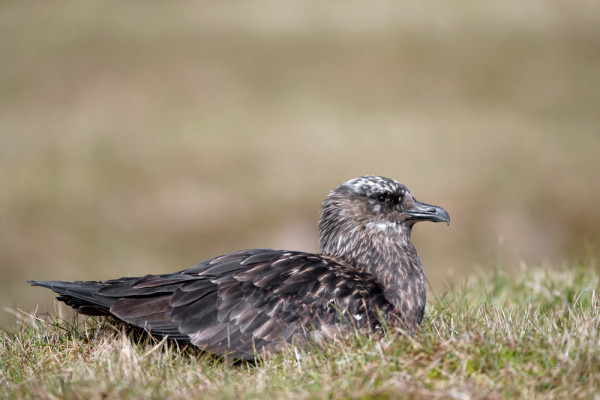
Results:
x,y
142,139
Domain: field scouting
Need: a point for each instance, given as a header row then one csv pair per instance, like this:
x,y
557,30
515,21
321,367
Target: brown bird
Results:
x,y
252,301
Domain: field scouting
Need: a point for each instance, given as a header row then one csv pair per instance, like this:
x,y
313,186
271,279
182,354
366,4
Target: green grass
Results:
x,y
534,335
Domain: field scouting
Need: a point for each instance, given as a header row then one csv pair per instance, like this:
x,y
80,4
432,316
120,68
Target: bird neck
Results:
x,y
392,261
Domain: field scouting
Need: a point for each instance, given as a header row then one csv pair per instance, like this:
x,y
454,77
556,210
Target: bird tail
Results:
x,y
81,296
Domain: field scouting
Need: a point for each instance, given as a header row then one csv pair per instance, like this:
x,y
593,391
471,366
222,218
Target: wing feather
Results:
x,y
239,303
131,308
186,294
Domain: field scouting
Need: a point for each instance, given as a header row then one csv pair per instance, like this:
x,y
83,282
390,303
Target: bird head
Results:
x,y
371,207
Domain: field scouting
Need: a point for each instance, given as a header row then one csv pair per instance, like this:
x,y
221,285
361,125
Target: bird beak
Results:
x,y
427,212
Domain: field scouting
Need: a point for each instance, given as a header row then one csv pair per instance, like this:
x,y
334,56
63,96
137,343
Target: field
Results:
x,y
532,336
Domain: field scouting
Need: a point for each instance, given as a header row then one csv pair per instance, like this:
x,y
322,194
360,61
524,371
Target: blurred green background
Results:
x,y
143,138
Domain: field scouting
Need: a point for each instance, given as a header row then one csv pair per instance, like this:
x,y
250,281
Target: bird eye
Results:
x,y
381,198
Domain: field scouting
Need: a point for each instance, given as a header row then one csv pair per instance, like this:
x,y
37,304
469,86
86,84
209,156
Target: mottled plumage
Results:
x,y
253,301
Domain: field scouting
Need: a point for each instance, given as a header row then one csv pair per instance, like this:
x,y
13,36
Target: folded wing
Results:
x,y
240,304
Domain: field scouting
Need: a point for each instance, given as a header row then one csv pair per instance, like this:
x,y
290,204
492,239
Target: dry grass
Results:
x,y
533,336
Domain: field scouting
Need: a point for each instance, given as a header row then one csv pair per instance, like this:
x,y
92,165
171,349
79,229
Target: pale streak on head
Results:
x,y
370,184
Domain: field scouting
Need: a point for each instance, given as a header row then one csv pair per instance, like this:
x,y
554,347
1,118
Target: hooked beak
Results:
x,y
427,212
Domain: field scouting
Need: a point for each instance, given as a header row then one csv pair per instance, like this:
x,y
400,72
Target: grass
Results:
x,y
532,335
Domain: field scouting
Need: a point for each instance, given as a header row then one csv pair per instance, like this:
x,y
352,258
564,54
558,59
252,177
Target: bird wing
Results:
x,y
240,303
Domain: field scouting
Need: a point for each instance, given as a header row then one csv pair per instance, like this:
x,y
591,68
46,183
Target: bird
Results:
x,y
252,302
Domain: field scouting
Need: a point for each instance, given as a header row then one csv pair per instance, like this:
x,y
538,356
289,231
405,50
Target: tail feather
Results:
x,y
82,296
150,312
